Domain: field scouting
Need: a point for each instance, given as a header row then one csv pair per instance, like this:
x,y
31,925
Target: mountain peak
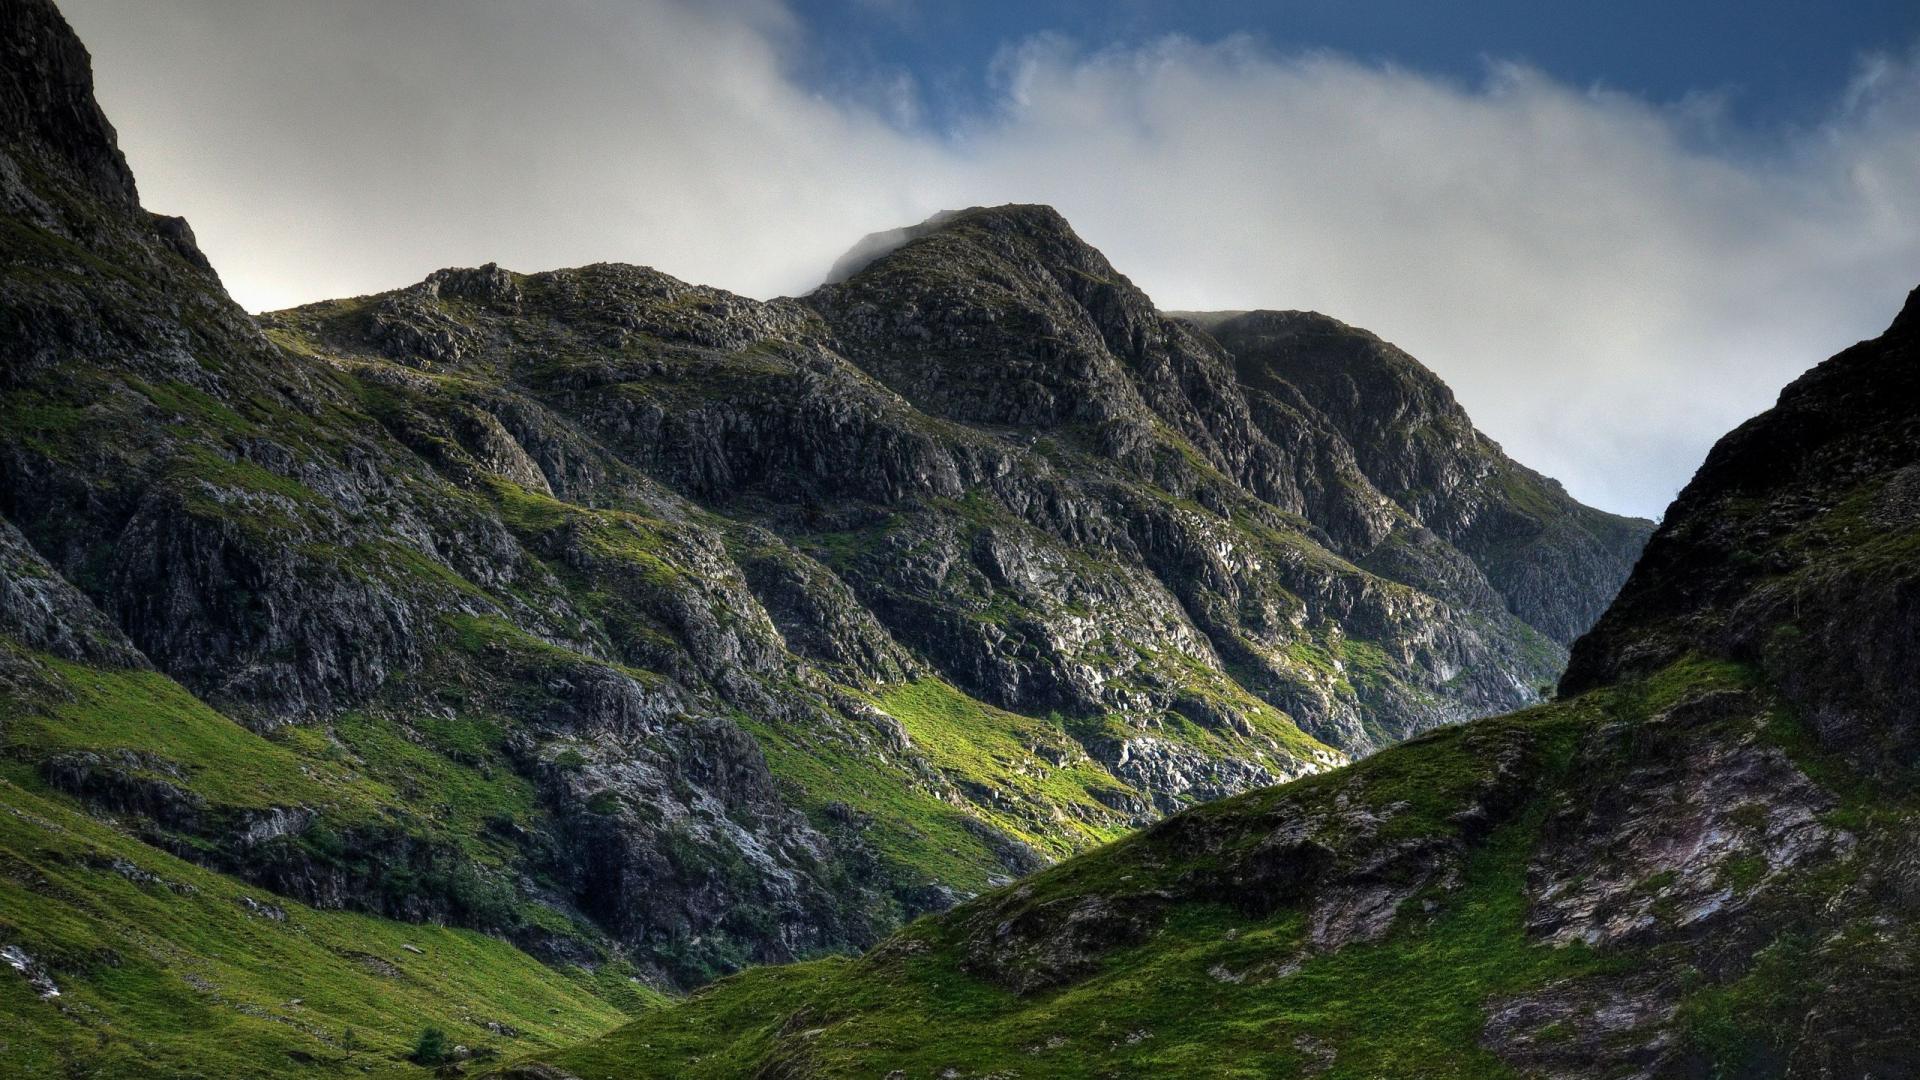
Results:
x,y
1417,445
1270,319
1792,549
920,307
1030,219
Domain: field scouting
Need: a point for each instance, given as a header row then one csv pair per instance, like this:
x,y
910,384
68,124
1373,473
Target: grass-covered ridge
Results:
x,y
1051,787
1218,983
1213,994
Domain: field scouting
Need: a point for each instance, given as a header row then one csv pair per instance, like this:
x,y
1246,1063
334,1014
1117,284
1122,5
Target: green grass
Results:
x,y
397,564
442,779
1047,787
968,738
621,536
451,779
218,487
94,709
181,402
924,838
164,971
53,421
1213,992
492,641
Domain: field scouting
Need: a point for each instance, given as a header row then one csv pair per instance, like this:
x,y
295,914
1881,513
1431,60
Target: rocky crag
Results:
x,y
1702,860
1552,561
657,630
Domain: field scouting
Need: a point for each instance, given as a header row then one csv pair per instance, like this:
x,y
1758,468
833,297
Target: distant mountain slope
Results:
x,y
655,630
1702,861
1555,562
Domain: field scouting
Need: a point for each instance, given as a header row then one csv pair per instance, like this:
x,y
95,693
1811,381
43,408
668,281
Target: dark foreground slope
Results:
x,y
1703,861
656,630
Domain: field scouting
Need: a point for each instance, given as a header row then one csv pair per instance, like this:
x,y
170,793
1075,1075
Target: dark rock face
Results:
x,y
40,610
46,97
1793,547
637,620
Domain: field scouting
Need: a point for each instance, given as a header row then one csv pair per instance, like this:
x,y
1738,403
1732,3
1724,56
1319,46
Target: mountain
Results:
x,y
647,631
1553,562
1700,861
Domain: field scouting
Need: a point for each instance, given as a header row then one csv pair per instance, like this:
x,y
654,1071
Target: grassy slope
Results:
x,y
1215,992
442,778
164,969
1165,1008
169,969
1403,1006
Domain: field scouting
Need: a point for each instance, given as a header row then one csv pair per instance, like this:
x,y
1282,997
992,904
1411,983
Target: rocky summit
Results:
x,y
509,653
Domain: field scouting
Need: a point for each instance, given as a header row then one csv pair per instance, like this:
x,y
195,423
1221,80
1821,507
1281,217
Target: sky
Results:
x,y
1615,230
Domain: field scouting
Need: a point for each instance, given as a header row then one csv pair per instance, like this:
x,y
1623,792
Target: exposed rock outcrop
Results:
x,y
1552,561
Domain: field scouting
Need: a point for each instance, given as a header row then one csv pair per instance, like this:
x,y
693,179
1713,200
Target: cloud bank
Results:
x,y
1608,283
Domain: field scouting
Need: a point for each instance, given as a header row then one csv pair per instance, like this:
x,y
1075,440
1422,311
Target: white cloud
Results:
x,y
1608,284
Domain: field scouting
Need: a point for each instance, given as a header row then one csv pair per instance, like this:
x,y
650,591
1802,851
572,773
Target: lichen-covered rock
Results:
x,y
1618,1027
1681,841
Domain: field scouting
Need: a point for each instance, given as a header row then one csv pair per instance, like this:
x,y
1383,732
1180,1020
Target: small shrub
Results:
x,y
431,1050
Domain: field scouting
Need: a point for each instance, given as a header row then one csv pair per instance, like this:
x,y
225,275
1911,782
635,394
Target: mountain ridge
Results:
x,y
1457,481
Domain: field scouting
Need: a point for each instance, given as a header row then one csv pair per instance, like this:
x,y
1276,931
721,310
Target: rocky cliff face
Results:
x,y
995,377
1700,861
1551,561
46,100
644,624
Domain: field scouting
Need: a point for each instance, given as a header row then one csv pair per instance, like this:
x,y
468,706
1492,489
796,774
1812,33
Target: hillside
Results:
x,y
1700,861
594,633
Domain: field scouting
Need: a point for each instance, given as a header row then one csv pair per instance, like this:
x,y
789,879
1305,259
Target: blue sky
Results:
x,y
1775,61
